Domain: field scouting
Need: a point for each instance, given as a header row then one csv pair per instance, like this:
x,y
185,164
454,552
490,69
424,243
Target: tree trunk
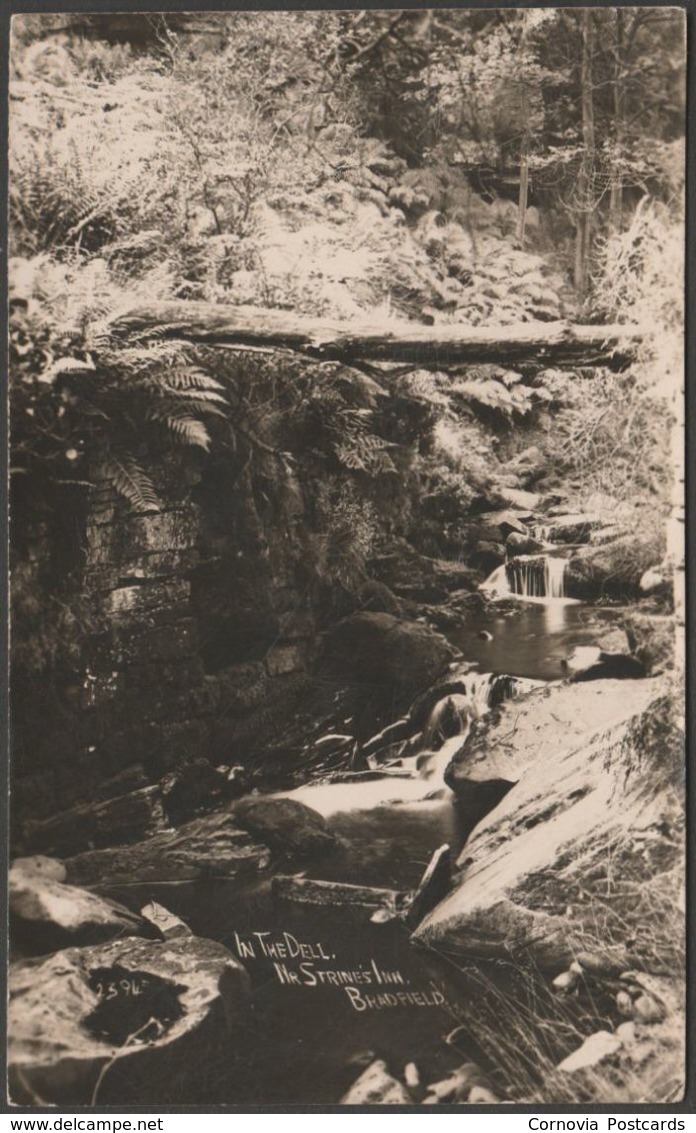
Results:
x,y
523,195
616,195
585,202
431,347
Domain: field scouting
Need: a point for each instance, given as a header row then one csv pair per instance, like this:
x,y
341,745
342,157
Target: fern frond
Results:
x,y
126,476
203,398
188,431
192,378
67,366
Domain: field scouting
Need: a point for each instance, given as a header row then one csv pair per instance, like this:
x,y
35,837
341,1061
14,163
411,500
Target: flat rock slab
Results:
x,y
210,846
531,731
46,915
572,753
130,1018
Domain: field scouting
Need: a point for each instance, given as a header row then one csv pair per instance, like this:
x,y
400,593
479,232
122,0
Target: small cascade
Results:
x,y
542,532
533,578
497,584
555,577
478,689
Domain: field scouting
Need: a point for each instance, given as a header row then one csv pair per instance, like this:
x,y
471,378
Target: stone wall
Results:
x,y
186,614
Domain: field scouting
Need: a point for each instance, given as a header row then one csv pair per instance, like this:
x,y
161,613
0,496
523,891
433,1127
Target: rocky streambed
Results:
x,y
379,933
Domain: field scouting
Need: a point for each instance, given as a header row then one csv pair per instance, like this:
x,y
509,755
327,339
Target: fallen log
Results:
x,y
331,894
435,347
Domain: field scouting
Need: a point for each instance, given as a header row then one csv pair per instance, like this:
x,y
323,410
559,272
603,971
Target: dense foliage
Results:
x,y
458,166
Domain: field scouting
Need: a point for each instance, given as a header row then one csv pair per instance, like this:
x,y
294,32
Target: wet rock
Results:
x,y
516,497
572,528
655,580
385,650
167,924
46,915
457,1087
287,826
608,963
121,819
50,869
130,1018
624,1004
626,1032
378,598
607,534
652,639
481,1095
411,1076
420,578
648,1010
199,786
376,1086
566,981
476,796
210,846
600,1045
517,544
612,570
488,554
588,663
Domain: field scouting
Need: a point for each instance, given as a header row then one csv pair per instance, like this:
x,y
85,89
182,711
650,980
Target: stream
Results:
x,y
330,989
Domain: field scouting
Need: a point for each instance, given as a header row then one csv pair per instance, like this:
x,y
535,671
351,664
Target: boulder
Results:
x,y
210,846
596,1047
378,598
517,544
652,639
376,1086
46,915
488,554
612,570
287,826
129,1019
199,786
590,663
572,528
573,753
384,650
458,1086
40,866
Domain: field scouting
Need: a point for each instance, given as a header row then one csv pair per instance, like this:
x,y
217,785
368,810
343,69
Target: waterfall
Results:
x,y
534,578
555,575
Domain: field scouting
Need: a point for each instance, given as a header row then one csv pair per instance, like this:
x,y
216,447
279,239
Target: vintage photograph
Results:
x,y
347,557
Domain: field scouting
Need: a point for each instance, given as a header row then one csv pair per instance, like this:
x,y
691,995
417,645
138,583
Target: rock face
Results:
x,y
571,751
210,846
287,826
46,915
385,650
130,1018
613,570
